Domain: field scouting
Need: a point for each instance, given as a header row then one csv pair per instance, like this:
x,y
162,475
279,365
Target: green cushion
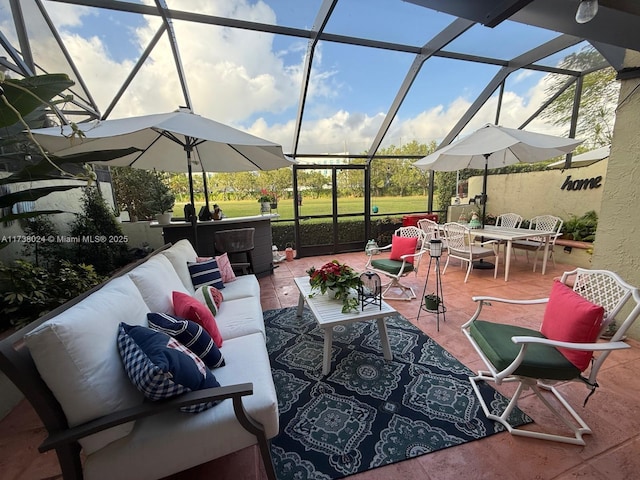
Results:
x,y
391,266
541,361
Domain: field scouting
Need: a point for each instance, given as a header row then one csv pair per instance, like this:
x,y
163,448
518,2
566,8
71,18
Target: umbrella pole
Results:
x,y
194,218
481,264
484,187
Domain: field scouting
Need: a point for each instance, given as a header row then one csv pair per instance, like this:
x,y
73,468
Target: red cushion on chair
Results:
x,y
571,318
403,246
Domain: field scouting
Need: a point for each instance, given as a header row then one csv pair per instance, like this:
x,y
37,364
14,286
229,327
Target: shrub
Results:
x,y
582,228
30,291
99,235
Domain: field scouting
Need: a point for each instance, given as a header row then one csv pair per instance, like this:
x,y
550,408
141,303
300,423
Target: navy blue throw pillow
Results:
x,y
189,334
205,273
161,367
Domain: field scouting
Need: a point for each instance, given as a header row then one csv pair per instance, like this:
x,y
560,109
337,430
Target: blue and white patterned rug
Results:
x,y
368,412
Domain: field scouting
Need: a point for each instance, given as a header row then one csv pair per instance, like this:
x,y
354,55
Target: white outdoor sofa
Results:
x,y
68,366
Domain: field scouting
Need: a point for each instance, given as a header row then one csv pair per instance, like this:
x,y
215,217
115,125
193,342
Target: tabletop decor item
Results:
x,y
370,291
340,279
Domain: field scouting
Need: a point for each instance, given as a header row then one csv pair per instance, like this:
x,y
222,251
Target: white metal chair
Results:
x,y
396,267
461,245
535,244
429,227
509,220
534,361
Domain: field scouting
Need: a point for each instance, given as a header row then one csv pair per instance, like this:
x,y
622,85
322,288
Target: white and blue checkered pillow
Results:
x,y
161,367
189,334
205,273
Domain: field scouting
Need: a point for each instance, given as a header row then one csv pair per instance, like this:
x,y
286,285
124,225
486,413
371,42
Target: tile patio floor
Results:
x,y
613,413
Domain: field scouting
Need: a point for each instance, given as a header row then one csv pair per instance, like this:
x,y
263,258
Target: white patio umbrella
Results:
x,y
166,140
492,147
585,159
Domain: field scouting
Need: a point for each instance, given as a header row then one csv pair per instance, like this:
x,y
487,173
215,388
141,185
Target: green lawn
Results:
x,y
319,206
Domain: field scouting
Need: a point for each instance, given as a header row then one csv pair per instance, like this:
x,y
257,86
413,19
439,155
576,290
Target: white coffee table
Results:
x,y
327,312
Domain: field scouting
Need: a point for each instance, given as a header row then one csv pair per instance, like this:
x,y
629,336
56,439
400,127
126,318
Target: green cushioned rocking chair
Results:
x,y
564,350
404,258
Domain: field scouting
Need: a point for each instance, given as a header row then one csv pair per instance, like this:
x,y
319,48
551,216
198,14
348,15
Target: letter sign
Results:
x,y
581,184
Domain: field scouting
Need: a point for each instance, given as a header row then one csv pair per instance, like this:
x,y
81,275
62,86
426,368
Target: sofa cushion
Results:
x,y
157,279
239,317
190,308
226,270
569,317
189,334
195,439
77,356
244,286
210,296
179,255
161,367
205,273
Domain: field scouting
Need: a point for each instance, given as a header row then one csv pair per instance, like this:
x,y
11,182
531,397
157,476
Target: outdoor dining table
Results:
x,y
509,235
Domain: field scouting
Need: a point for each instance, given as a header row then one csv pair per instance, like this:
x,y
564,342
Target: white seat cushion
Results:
x,y
77,355
242,287
242,316
192,439
179,254
156,280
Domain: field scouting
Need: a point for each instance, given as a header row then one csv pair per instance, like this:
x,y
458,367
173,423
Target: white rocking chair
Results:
x,y
535,361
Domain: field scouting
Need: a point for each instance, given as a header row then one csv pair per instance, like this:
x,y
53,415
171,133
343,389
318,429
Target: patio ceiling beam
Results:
x,y
319,24
54,32
162,8
570,81
553,46
446,36
136,68
298,32
23,38
20,66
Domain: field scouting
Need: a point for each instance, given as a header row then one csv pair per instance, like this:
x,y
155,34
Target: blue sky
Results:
x,y
252,80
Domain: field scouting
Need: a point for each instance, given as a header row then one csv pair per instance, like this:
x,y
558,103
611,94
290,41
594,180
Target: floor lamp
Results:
x,y
434,303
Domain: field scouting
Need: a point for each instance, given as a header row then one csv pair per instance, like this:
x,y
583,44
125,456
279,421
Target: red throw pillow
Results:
x,y
571,318
403,246
185,306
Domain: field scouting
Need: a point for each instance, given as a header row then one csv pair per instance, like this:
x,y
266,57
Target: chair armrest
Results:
x,y
534,301
594,347
485,300
487,242
147,409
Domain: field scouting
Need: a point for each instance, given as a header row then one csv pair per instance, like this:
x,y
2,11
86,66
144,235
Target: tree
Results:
x,y
597,103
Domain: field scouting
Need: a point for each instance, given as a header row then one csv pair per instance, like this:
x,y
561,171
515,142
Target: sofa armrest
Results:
x,y
147,409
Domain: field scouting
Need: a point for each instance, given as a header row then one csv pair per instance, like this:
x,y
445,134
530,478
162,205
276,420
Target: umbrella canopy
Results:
x,y
493,147
165,140
585,159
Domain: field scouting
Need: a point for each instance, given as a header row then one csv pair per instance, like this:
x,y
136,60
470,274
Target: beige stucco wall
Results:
x,y
617,244
540,193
